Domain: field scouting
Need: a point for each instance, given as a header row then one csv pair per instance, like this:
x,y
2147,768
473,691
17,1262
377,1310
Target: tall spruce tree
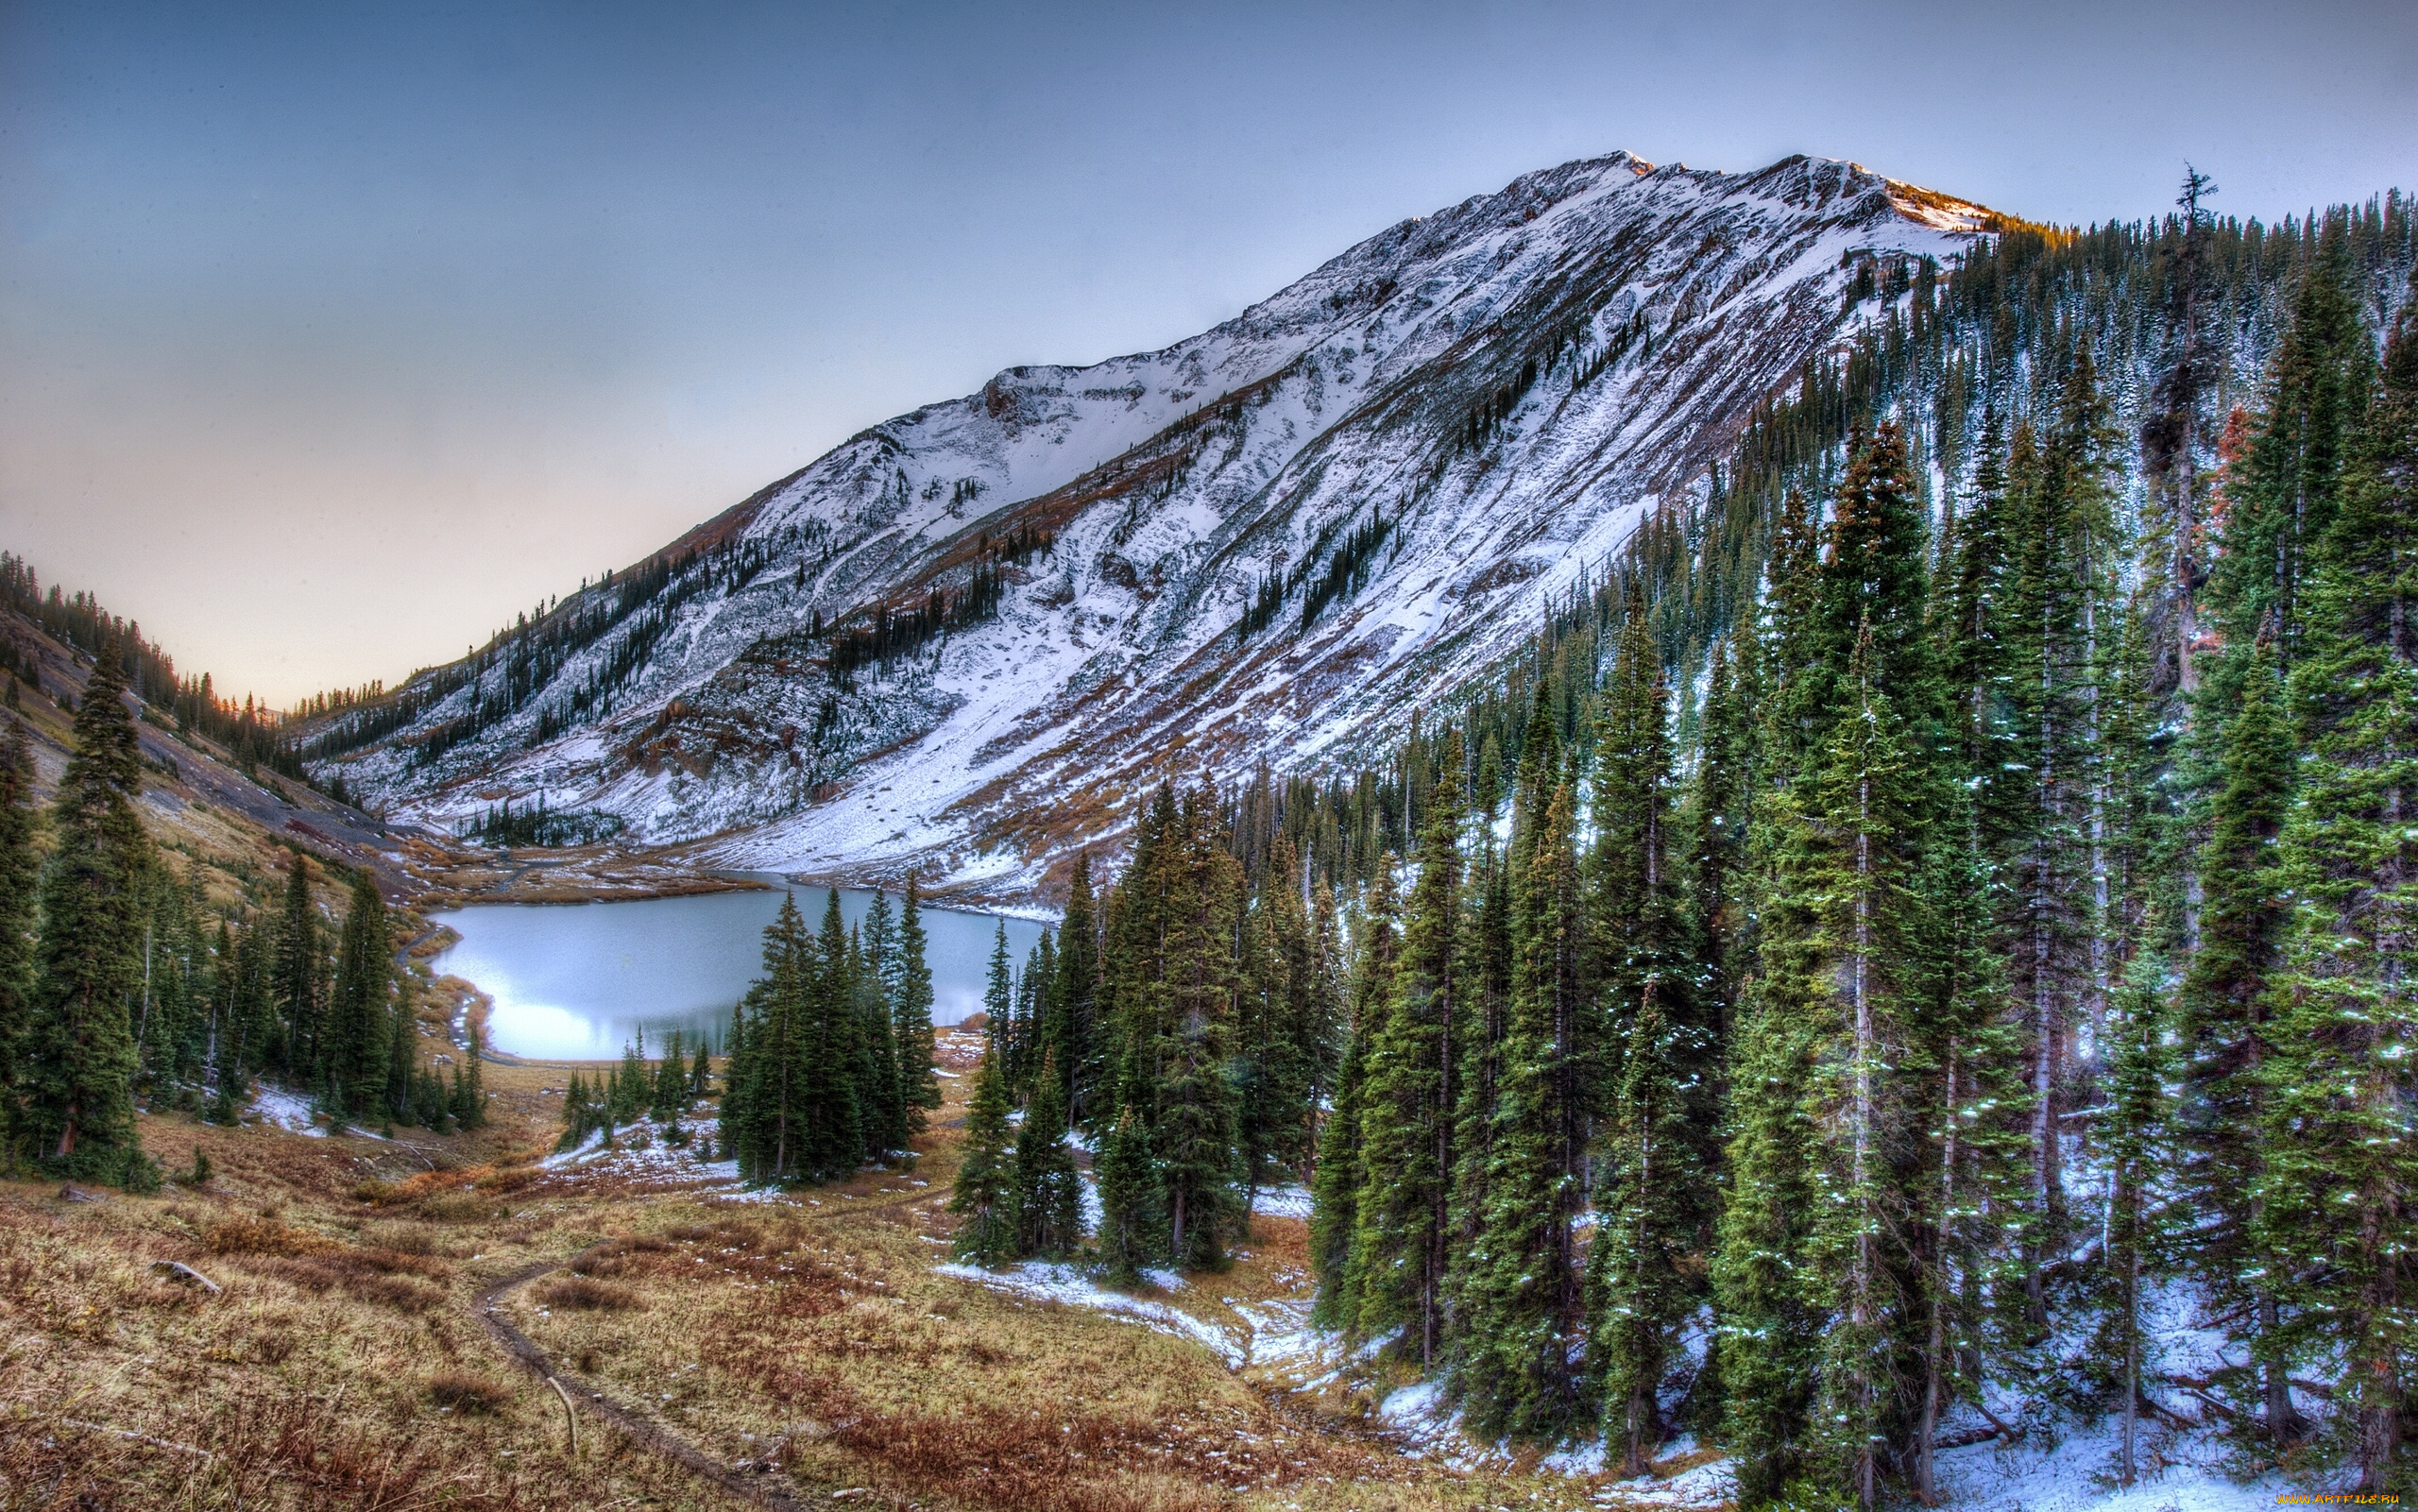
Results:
x,y
1342,1173
2338,1195
1404,1231
1048,1190
20,869
1075,999
910,1008
296,979
984,1198
2227,1015
360,1025
79,1056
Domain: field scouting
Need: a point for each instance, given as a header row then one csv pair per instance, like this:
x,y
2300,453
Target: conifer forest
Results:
x,y
1938,897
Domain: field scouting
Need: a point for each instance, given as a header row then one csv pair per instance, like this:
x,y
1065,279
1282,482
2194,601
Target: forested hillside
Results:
x,y
1939,899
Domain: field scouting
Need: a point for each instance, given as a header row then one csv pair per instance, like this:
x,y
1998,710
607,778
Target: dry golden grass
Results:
x,y
343,1365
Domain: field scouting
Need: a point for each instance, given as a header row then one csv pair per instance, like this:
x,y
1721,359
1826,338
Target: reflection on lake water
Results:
x,y
577,980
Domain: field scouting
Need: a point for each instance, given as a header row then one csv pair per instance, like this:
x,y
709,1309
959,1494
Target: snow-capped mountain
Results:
x,y
1270,541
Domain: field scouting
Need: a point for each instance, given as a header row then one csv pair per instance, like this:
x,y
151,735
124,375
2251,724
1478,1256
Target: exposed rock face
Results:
x,y
1270,541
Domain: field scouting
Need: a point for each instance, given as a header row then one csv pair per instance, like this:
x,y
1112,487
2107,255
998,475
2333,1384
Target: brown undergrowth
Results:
x,y
806,1341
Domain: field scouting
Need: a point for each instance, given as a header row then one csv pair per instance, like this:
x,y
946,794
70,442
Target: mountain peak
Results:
x,y
972,638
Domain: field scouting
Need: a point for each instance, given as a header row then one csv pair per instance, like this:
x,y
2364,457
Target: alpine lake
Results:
x,y
577,982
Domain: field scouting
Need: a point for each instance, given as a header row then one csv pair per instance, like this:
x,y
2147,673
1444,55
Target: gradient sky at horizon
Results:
x,y
332,336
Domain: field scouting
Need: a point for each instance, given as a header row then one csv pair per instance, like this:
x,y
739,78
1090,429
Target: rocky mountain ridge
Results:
x,y
972,638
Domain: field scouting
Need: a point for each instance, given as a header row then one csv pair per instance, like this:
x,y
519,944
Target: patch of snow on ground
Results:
x,y
1709,1485
284,1109
2075,1475
1042,1280
1282,1203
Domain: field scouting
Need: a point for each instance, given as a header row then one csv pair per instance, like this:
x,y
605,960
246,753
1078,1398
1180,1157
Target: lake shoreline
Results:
x,y
574,984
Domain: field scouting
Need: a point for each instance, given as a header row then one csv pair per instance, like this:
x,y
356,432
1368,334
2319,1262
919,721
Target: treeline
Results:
x,y
2011,934
114,984
829,1062
879,636
500,825
1923,908
250,733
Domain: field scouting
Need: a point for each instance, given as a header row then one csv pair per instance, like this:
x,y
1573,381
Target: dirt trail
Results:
x,y
641,1430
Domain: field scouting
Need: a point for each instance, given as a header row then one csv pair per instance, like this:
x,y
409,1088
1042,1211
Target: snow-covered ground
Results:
x,y
1045,1282
1608,317
284,1109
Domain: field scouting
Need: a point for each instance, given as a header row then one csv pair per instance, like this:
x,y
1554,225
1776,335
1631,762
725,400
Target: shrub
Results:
x,y
467,1393
587,1294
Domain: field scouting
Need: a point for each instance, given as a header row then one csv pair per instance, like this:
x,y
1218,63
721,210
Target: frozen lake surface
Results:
x,y
577,980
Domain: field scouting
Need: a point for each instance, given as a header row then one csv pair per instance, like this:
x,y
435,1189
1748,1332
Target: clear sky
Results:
x,y
331,335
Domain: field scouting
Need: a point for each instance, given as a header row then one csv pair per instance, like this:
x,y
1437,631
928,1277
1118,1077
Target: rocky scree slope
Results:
x,y
1271,541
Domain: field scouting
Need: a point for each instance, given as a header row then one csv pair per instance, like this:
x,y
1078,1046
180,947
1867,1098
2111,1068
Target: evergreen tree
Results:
x,y
79,1052
1127,1189
1401,1249
985,1195
1517,1288
1193,1138
296,977
912,1015
2227,1029
468,1104
1335,1191
1075,999
359,1031
2335,1206
1048,1190
828,1062
20,868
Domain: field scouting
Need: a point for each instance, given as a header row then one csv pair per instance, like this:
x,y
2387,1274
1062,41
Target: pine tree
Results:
x,y
828,1062
468,1104
911,1013
1342,1173
1075,999
2135,1129
20,869
2339,1166
1194,1135
1128,1191
1403,1234
2227,1031
985,1195
295,979
79,1052
1048,1190
359,1031
1516,1285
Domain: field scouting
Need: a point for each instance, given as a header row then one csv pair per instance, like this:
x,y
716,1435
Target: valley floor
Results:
x,y
390,1318
779,1350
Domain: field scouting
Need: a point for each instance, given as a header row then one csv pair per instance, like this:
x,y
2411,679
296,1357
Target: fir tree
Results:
x,y
2227,1031
1127,1190
985,1195
359,1030
20,868
1403,1234
296,977
1336,1190
468,1102
78,1056
912,1015
2335,1208
1048,1190
1075,999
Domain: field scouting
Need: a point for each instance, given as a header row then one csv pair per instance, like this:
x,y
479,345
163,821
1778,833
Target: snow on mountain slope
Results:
x,y
1391,463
